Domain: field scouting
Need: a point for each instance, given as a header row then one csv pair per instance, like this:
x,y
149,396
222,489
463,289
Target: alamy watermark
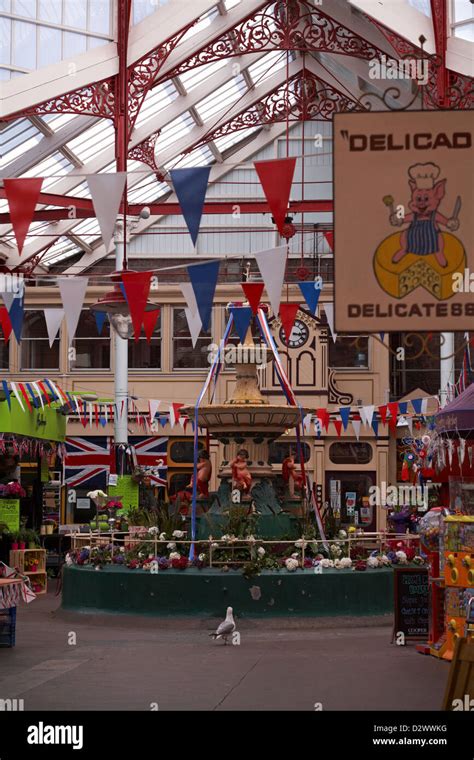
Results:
x,y
407,68
398,496
11,282
240,354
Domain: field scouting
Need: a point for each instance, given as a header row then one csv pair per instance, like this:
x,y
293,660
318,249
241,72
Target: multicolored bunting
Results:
x,y
356,424
253,293
175,413
22,196
16,313
311,292
242,316
367,413
375,427
204,280
106,193
137,289
73,291
345,412
272,265
190,186
383,413
324,417
53,319
288,312
276,177
329,237
6,391
338,425
5,323
188,293
194,324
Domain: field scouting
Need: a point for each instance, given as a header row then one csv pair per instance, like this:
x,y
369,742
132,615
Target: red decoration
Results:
x,y
288,313
338,425
5,323
383,413
393,408
25,396
137,287
149,322
253,293
330,239
276,177
323,415
22,196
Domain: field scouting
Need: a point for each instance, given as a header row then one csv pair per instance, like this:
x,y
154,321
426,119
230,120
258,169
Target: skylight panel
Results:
x,y
267,66
174,131
50,168
228,141
94,140
16,139
194,77
155,101
222,99
203,23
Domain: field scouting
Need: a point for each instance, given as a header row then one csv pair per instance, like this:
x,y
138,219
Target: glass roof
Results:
x,y
36,33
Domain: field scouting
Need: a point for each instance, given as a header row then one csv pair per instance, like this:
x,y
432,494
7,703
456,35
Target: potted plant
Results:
x,y
14,540
32,539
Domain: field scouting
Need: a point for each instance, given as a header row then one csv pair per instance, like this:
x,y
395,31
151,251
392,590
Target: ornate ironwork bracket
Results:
x,y
335,395
145,152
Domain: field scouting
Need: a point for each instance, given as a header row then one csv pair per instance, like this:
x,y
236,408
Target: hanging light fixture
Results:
x,y
115,305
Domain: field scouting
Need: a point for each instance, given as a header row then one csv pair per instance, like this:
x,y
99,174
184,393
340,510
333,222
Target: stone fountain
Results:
x,y
248,421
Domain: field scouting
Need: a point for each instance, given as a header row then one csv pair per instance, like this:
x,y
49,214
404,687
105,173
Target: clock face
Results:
x,y
299,335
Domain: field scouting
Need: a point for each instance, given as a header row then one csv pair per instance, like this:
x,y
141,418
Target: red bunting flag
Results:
x,y
175,413
276,177
383,413
25,396
137,288
149,322
330,239
253,293
288,313
393,409
5,323
338,425
323,415
22,195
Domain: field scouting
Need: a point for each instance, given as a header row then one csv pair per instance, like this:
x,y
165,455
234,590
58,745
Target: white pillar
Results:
x,y
121,359
446,355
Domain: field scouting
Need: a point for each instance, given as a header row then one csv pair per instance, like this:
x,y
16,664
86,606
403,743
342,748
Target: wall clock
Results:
x,y
299,335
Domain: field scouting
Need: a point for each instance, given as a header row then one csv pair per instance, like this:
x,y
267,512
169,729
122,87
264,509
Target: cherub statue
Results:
x,y
291,476
204,472
241,477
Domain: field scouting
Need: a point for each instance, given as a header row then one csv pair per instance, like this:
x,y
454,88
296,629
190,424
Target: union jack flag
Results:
x,y
88,461
152,452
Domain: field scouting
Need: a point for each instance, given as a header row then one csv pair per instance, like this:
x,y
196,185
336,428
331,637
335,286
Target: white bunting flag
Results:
x,y
461,451
329,309
154,404
182,421
73,291
356,424
189,296
367,414
53,319
15,391
194,324
469,454
106,193
8,299
307,423
424,405
410,424
38,391
272,264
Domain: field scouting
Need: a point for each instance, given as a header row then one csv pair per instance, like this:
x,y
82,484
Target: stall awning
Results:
x,y
458,414
47,424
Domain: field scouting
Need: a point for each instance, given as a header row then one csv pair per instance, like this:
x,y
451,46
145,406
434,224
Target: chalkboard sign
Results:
x,y
411,602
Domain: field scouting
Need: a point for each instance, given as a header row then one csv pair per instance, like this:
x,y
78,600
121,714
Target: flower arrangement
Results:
x,y
12,490
114,504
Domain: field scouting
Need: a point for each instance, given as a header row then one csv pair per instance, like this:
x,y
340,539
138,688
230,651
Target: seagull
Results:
x,y
225,628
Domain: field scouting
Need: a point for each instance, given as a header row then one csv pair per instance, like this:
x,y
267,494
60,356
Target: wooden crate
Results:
x,y
22,559
460,684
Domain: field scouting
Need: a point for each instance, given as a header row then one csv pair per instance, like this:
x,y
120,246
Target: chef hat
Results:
x,y
424,175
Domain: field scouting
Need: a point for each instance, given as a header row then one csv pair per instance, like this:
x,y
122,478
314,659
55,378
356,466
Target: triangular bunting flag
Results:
x,y
22,196
338,425
100,317
311,292
417,404
190,186
163,420
393,409
17,396
194,324
323,415
204,280
137,288
403,407
242,316
356,425
375,426
329,235
276,177
189,297
345,412
175,413
288,313
106,192
16,314
329,309
382,336
8,299
153,404
367,413
6,391
53,319
253,293
272,264
383,413
5,323
73,291
150,319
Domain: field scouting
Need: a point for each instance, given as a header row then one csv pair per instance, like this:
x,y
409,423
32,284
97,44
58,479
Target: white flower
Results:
x,y
261,551
251,539
373,562
296,555
225,538
335,550
175,555
337,564
384,560
179,534
153,531
291,564
300,543
69,560
342,534
402,558
97,495
214,546
418,560
327,563
162,536
171,546
201,557
141,555
345,562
